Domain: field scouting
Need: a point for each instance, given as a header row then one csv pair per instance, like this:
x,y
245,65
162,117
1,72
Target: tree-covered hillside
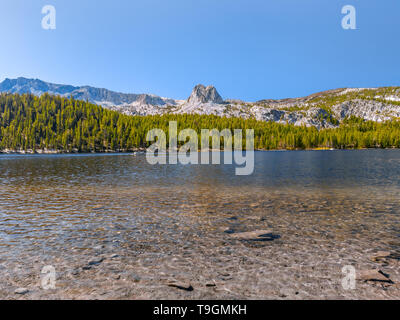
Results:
x,y
28,122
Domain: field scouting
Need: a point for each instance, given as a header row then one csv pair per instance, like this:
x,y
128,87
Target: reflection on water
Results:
x,y
329,208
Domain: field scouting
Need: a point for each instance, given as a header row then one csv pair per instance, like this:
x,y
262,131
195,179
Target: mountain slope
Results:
x,y
49,123
322,110
100,96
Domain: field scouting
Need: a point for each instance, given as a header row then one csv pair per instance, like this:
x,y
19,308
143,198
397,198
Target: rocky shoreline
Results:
x,y
143,150
55,151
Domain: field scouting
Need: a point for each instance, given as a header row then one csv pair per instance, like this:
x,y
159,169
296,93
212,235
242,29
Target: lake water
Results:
x,y
150,225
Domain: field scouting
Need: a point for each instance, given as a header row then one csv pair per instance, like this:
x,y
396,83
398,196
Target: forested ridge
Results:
x,y
28,122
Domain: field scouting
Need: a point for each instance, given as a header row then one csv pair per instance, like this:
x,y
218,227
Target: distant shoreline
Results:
x,y
143,151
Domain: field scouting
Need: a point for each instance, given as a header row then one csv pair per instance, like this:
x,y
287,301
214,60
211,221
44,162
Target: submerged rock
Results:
x,y
385,258
211,284
75,272
380,255
180,285
373,275
228,230
257,235
95,262
21,291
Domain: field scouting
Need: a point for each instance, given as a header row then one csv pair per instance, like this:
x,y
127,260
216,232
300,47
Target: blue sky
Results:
x,y
248,49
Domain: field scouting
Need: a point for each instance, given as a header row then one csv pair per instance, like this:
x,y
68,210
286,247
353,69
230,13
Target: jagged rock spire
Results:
x,y
202,94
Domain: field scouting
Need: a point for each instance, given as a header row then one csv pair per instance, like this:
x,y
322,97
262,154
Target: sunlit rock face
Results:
x,y
202,94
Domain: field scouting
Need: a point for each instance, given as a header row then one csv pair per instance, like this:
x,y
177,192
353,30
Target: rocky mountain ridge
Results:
x,y
322,110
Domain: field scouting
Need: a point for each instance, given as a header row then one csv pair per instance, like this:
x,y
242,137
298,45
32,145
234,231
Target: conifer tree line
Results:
x,y
28,122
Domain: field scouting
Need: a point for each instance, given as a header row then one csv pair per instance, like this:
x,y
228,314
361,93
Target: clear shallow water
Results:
x,y
328,209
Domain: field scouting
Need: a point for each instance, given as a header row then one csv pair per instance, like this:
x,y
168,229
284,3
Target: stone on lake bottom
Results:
x,y
379,255
211,284
21,291
75,272
180,285
228,230
95,261
258,235
373,275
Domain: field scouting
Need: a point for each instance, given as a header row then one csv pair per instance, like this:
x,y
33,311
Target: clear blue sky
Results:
x,y
248,49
